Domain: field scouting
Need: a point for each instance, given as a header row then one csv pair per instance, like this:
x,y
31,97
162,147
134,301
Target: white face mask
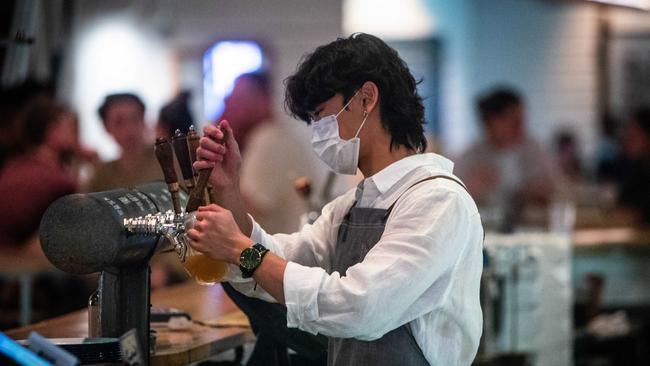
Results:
x,y
342,156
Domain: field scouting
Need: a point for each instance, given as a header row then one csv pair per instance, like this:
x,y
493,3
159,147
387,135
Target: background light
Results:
x,y
388,19
222,64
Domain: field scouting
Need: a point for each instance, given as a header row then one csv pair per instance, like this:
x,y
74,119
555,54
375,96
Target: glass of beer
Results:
x,y
203,269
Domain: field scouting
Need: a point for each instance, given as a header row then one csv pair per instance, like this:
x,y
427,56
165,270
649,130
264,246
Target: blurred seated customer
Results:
x,y
12,101
608,151
506,171
35,177
175,115
123,118
634,192
568,157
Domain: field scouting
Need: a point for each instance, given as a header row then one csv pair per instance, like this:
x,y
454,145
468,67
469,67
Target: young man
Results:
x,y
390,272
123,117
507,172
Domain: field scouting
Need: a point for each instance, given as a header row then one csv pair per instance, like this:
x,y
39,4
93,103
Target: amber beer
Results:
x,y
203,269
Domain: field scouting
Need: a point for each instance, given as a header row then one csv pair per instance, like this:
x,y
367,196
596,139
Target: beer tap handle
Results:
x,y
165,156
196,196
179,141
193,144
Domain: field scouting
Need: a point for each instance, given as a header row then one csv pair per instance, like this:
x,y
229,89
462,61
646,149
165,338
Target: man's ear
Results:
x,y
369,96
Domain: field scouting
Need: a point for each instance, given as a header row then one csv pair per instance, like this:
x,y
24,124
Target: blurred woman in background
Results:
x,y
39,172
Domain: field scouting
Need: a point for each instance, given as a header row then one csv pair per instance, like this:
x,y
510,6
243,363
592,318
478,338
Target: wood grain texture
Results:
x,y
173,347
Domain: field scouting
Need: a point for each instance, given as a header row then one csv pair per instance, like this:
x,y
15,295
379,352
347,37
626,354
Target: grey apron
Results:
x,y
360,230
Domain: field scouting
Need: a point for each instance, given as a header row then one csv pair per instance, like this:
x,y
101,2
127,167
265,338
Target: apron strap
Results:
x,y
388,211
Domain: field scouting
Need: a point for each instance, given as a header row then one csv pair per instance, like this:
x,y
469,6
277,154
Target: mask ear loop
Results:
x,y
365,117
348,103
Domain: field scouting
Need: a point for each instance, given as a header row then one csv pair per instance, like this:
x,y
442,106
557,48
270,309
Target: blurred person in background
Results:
x,y
38,173
634,190
123,118
175,115
273,158
248,106
608,152
12,101
166,269
40,170
273,155
506,170
568,157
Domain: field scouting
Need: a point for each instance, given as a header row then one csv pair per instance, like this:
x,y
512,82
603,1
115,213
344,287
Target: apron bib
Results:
x,y
360,230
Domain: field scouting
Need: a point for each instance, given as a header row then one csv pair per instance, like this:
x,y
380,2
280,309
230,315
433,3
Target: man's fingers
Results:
x,y
193,234
211,145
213,132
209,155
211,207
230,135
203,164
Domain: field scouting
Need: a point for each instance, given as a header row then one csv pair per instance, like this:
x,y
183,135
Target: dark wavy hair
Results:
x,y
342,67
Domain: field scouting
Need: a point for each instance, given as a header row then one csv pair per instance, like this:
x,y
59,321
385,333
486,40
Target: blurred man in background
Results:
x,y
274,155
123,118
248,106
567,157
175,115
506,170
634,190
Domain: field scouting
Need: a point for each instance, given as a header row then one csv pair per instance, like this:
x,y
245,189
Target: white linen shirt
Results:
x,y
425,270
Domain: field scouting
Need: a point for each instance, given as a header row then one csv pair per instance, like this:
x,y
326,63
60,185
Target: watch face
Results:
x,y
249,258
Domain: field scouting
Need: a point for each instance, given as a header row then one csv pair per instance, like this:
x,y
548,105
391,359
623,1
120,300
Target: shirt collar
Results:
x,y
390,175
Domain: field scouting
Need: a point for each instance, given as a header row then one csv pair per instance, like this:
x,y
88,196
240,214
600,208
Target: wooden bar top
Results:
x,y
173,347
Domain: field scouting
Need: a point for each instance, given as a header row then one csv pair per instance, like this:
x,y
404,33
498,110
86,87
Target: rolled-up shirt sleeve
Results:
x,y
309,247
423,239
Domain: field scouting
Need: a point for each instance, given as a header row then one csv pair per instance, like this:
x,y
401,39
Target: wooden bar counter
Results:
x,y
609,237
206,304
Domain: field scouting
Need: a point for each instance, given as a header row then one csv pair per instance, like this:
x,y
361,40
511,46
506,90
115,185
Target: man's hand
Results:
x,y
216,234
223,156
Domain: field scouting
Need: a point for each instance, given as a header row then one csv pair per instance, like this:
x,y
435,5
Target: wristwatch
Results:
x,y
250,258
